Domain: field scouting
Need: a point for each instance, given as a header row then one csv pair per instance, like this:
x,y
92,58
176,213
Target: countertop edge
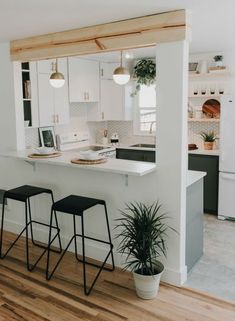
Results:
x,y
194,176
147,167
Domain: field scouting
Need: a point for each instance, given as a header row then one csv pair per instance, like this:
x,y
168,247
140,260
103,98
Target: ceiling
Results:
x,y
213,21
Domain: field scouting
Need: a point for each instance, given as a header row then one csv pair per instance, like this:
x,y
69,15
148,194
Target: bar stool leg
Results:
x,y
49,246
84,257
27,236
75,238
2,222
109,235
31,223
57,225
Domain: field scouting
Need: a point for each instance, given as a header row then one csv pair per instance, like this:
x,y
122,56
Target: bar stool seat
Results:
x,y
77,205
23,194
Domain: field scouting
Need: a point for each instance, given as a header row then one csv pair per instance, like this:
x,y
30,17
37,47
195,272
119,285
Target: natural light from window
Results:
x,y
146,109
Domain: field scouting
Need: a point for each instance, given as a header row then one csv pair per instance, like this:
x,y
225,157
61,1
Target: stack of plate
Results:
x,y
44,151
90,155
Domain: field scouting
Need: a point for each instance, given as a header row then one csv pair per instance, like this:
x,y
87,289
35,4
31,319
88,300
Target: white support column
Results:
x,y
172,155
11,120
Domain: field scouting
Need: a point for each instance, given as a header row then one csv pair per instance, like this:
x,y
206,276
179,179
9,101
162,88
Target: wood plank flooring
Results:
x,y
28,296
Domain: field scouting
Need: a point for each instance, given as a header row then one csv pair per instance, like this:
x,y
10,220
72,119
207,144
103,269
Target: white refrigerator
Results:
x,y
227,159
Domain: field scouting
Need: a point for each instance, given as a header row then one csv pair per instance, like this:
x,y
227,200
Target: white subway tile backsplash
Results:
x,y
31,137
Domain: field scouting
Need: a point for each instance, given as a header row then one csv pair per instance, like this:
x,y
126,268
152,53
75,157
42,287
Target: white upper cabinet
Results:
x,y
53,102
116,102
107,69
84,77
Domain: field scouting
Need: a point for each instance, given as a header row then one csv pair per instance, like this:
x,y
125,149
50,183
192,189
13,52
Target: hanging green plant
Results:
x,y
144,73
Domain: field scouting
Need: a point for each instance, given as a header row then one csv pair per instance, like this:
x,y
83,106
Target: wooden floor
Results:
x,y
28,296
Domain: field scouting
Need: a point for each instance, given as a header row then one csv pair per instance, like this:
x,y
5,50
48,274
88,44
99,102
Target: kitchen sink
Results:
x,y
144,145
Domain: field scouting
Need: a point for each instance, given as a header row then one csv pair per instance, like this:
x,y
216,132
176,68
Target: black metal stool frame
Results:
x,y
30,222
87,290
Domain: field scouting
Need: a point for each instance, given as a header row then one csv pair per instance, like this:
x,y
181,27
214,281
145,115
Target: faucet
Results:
x,y
151,127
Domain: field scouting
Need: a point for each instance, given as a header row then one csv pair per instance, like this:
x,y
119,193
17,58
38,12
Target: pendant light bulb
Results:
x,y
121,75
57,78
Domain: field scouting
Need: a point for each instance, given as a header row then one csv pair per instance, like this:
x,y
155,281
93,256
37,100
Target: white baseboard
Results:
x,y
96,251
174,277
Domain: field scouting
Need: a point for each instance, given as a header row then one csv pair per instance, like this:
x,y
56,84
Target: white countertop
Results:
x,y
213,152
194,176
118,166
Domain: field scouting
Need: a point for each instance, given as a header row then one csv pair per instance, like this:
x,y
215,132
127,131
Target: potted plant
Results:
x,y
143,234
218,60
209,139
144,73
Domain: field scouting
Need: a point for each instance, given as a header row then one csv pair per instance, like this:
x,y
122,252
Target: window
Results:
x,y
145,119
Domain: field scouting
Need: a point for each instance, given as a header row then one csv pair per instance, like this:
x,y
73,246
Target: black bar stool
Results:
x,y
23,194
76,205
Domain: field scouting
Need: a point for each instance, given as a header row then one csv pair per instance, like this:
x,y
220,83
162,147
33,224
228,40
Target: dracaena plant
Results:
x,y
143,235
208,136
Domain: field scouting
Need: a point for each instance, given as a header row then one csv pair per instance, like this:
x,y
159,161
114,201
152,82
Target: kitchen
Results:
x,y
116,132
121,180
86,119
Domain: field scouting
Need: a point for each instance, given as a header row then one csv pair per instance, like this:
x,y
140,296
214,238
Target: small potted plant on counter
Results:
x,y
218,60
143,239
209,139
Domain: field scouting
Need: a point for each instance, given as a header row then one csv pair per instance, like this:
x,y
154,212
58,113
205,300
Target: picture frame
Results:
x,y
192,67
47,137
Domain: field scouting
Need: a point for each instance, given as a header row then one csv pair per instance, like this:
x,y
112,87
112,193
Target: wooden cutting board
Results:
x,y
38,156
88,162
211,108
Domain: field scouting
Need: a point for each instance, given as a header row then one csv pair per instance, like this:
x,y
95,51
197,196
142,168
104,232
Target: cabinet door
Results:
x,y
130,154
46,101
149,156
107,69
111,100
92,81
61,104
210,165
83,80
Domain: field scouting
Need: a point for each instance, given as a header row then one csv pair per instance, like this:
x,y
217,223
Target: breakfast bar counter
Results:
x,y
116,166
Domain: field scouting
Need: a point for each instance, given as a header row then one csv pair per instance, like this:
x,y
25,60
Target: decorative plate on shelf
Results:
x,y
211,108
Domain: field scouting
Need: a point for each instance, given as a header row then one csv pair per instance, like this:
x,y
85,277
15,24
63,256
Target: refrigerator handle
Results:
x,y
228,176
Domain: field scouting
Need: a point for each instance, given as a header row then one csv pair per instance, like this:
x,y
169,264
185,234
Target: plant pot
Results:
x,y
208,145
147,286
219,63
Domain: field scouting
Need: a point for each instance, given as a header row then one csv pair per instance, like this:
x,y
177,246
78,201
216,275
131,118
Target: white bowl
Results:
x,y
89,155
44,150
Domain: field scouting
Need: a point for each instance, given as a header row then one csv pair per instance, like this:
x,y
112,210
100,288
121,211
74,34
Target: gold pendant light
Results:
x,y
121,75
57,78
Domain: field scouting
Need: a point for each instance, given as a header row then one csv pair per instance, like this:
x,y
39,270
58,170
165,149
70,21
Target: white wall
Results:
x,y
8,138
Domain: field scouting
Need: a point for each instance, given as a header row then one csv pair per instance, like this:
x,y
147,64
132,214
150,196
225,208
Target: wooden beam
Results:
x,y
126,34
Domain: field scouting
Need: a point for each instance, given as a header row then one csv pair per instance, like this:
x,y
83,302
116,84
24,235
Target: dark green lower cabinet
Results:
x,y
134,154
210,165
